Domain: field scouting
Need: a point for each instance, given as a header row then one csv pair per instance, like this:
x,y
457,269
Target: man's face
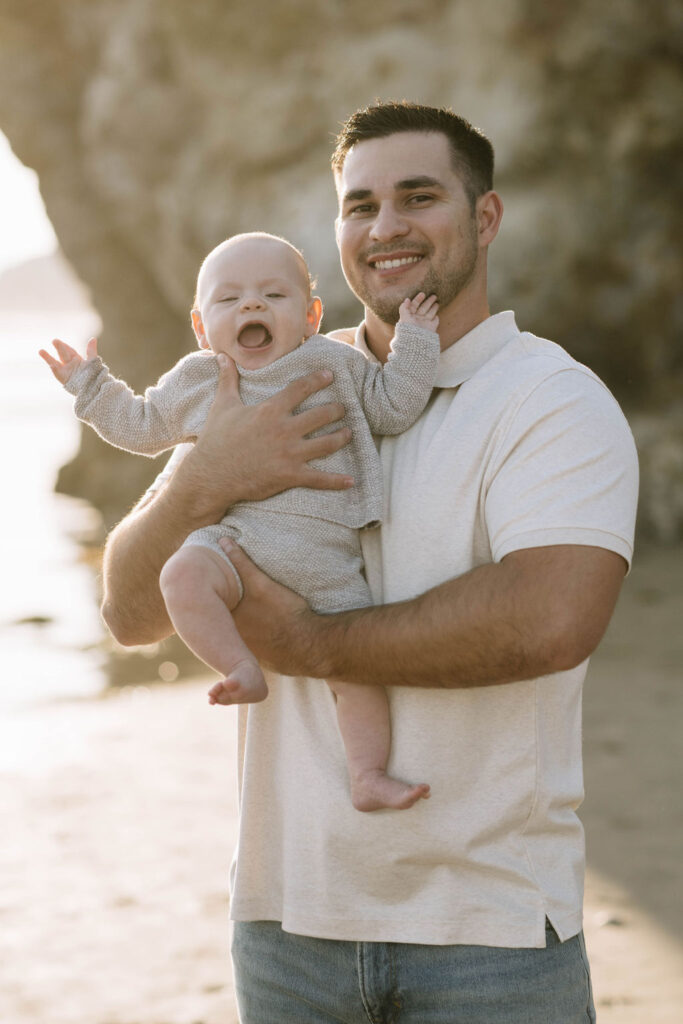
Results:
x,y
405,222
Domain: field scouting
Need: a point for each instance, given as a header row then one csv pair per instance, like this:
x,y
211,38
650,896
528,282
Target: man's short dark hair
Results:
x,y
471,151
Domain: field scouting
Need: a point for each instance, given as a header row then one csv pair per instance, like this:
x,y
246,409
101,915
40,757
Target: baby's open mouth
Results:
x,y
254,336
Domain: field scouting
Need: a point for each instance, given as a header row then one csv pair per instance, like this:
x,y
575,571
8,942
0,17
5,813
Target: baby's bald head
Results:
x,y
265,247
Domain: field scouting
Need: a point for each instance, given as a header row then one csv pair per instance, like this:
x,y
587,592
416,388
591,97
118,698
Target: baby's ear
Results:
x,y
314,315
198,328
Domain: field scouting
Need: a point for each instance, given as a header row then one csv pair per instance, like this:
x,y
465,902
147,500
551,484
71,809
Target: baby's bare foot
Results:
x,y
372,790
245,684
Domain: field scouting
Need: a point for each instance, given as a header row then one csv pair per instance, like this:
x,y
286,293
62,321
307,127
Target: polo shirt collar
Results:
x,y
467,355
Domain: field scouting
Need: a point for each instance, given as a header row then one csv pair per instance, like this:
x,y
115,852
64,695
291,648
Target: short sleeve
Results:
x,y
565,471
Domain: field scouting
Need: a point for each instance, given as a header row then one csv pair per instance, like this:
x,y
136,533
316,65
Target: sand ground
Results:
x,y
120,815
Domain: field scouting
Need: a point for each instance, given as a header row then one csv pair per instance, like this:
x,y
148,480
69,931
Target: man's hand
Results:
x,y
275,623
69,359
247,453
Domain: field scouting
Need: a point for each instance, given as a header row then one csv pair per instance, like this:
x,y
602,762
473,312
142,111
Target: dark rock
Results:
x,y
158,128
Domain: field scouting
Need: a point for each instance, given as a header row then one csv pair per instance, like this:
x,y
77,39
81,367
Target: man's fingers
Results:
x,y
298,390
325,444
310,420
245,567
323,481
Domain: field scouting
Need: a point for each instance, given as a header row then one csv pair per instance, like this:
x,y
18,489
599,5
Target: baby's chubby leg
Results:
x,y
365,725
200,590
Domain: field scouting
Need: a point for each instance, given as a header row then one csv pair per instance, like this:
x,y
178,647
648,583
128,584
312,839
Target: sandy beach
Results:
x,y
120,816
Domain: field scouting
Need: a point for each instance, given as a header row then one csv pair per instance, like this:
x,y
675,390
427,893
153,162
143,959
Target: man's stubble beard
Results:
x,y
445,281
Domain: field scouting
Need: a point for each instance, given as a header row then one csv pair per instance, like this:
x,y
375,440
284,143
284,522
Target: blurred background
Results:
x,y
139,133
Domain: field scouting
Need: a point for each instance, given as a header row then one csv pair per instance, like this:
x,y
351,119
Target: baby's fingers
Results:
x,y
54,365
62,371
68,361
427,306
65,352
413,305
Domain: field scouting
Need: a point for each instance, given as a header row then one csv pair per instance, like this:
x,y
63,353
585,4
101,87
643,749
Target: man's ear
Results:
x,y
198,328
489,216
313,316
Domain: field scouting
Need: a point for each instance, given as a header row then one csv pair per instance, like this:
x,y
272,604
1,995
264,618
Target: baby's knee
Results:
x,y
195,574
184,573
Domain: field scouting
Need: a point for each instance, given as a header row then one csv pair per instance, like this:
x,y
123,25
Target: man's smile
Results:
x,y
391,263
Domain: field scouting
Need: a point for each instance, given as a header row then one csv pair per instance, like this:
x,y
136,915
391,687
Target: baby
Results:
x,y
254,304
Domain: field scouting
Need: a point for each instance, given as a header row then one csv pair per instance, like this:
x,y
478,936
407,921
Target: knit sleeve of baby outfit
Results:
x,y
170,412
394,395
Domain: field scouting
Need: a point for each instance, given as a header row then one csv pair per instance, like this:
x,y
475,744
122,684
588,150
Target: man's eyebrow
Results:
x,y
422,181
356,193
405,185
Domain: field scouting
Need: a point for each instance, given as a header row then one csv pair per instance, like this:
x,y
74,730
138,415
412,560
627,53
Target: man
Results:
x,y
508,529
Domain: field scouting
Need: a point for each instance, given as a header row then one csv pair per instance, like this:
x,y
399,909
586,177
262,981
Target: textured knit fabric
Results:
x,y
378,400
521,447
318,558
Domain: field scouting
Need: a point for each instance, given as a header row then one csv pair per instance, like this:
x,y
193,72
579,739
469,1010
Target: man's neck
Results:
x,y
461,317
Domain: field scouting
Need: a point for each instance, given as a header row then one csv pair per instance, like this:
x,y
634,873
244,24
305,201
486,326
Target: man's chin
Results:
x,y
386,305
387,316
387,309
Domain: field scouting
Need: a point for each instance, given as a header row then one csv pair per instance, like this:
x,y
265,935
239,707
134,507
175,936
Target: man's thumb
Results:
x,y
228,377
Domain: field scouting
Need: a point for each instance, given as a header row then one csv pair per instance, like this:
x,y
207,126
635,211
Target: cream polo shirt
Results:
x,y
521,446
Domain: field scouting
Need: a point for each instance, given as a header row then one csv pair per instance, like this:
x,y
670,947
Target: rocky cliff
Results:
x,y
159,127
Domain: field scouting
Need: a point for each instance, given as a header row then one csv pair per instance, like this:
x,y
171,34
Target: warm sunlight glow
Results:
x,y
25,230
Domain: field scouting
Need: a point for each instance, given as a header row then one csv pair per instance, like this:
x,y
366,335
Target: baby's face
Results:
x,y
254,302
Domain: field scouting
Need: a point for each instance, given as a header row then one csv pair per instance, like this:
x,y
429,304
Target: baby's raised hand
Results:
x,y
422,311
69,359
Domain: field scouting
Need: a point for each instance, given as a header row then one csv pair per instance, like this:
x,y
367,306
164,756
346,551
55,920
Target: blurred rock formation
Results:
x,y
158,127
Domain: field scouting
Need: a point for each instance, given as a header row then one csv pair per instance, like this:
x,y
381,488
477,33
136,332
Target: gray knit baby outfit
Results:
x,y
304,538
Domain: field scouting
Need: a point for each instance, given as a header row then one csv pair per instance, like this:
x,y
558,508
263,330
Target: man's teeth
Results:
x,y
390,264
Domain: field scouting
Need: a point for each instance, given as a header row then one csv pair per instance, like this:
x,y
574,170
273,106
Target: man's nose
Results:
x,y
389,223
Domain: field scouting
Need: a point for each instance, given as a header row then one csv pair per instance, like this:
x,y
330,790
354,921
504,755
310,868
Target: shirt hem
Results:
x,y
511,934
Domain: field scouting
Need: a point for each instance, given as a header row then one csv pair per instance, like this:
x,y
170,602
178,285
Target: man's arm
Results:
x,y
538,611
243,453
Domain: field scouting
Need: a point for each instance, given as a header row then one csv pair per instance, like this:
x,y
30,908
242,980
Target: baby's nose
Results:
x,y
252,302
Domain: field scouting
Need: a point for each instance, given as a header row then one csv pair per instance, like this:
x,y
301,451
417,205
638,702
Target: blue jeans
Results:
x,y
282,978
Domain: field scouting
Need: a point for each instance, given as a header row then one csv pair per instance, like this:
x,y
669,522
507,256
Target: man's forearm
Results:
x,y
539,611
138,548
458,634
